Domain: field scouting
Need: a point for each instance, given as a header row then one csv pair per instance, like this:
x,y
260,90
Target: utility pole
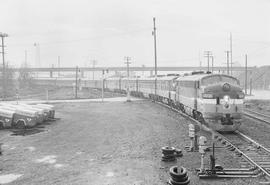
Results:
x,y
58,62
143,66
127,62
200,62
94,62
37,54
25,58
231,52
76,83
102,88
212,57
228,64
246,75
3,35
208,54
155,50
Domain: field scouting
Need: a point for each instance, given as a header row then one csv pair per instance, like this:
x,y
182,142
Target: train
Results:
x,y
216,100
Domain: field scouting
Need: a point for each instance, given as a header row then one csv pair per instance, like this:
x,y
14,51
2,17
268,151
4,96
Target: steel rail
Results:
x,y
256,117
245,155
252,141
258,113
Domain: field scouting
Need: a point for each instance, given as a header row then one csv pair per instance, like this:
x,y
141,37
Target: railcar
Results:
x,y
145,87
214,99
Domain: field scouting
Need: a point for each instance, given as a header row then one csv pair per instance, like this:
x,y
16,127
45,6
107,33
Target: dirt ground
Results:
x,y
110,143
60,93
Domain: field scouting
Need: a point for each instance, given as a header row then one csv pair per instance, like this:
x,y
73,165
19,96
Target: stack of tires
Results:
x,y
178,176
168,154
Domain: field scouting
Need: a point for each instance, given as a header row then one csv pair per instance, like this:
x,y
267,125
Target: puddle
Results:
x,y
4,179
109,174
31,148
30,131
58,165
50,159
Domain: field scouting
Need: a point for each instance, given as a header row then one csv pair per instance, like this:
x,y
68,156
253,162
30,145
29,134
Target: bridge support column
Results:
x,y
82,74
51,74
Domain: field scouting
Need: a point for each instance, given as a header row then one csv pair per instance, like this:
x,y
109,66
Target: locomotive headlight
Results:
x,y
226,98
241,95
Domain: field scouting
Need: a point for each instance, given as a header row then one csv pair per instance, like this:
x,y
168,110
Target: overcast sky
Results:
x,y
107,30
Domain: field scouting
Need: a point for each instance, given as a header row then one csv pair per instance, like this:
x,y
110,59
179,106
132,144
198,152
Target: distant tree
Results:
x,y
25,78
9,81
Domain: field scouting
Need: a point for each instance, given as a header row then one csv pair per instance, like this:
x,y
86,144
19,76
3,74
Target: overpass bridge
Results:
x,y
85,69
54,71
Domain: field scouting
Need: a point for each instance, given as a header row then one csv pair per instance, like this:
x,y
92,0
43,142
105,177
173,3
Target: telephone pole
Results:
x,y
212,57
208,54
228,63
25,58
231,51
3,35
37,54
76,82
94,62
127,62
200,62
155,50
58,61
246,74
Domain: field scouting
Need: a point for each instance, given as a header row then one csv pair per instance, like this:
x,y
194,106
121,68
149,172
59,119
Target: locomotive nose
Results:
x,y
226,87
222,89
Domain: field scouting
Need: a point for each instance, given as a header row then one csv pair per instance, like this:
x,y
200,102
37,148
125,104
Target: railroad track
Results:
x,y
255,157
257,116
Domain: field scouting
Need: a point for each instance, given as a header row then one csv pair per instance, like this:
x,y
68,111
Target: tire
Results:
x,y
167,149
172,182
174,172
20,124
171,159
1,125
184,179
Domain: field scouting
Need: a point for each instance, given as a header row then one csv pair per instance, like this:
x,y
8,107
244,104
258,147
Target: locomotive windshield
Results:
x,y
219,78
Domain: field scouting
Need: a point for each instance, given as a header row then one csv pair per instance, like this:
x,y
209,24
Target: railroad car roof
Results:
x,y
166,78
198,77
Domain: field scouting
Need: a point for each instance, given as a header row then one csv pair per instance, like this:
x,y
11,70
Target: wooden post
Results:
x,y
250,87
